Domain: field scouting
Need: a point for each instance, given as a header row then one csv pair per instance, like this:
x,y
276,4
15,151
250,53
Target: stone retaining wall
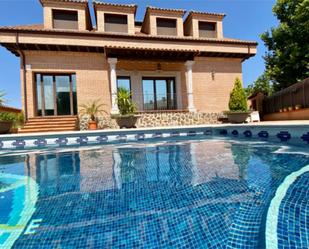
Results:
x,y
157,119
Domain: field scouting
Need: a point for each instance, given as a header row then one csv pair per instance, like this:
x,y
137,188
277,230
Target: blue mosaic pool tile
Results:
x,y
157,196
82,140
61,141
235,133
174,134
191,133
284,136
208,132
247,133
293,230
102,139
263,134
157,135
19,143
121,138
223,132
40,142
305,137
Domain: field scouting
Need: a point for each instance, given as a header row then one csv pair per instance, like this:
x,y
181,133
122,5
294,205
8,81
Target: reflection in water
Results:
x,y
203,193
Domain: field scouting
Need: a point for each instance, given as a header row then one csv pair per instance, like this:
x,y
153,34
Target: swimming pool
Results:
x,y
193,192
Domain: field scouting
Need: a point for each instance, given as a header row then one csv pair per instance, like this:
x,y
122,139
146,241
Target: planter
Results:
x,y
297,107
5,126
127,121
285,109
238,117
290,109
92,125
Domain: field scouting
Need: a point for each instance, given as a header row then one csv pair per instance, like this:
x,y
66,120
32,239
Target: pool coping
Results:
x,y
285,133
149,129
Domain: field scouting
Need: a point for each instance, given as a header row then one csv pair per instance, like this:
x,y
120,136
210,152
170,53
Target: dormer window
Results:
x,y
207,29
166,26
116,23
65,19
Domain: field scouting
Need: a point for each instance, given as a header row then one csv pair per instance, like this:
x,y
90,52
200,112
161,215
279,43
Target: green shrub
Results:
x,y
238,99
125,103
16,118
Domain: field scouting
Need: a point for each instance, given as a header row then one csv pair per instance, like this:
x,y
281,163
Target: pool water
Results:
x,y
199,193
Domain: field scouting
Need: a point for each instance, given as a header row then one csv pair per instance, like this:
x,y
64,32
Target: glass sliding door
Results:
x,y
149,94
56,94
159,93
49,97
63,95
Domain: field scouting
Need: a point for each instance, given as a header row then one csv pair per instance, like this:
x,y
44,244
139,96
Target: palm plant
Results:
x,y
124,101
92,109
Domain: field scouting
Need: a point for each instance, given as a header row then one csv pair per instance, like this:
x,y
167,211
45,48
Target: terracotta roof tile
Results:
x,y
206,13
115,4
34,27
69,1
154,49
165,9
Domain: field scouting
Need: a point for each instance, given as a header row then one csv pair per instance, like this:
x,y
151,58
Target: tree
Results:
x,y
238,98
262,84
2,100
287,59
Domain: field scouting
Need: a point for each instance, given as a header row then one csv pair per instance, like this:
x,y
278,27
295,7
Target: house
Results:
x,y
178,65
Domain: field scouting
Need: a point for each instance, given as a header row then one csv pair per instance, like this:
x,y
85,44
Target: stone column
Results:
x,y
189,83
113,78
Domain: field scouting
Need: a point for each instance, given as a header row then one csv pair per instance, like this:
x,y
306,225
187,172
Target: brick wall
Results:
x,y
91,71
213,80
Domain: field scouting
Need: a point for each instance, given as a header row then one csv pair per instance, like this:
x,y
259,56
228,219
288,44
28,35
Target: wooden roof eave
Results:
x,y
125,36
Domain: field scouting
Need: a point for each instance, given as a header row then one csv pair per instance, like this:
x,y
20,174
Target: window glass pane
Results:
x,y
63,95
148,93
116,23
207,26
64,19
166,26
48,95
207,29
124,82
166,23
161,94
73,77
171,91
38,95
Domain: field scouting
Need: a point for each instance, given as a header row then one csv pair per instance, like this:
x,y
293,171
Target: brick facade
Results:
x,y
208,65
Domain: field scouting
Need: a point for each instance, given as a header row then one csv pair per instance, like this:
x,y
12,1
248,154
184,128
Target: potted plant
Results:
x,y
92,109
238,112
290,108
127,117
285,109
298,107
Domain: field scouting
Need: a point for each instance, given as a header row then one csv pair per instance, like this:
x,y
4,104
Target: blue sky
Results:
x,y
246,19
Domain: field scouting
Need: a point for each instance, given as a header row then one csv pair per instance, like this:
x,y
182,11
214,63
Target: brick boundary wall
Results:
x,y
159,119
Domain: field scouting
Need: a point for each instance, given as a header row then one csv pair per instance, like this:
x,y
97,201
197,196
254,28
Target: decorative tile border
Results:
x,y
274,208
291,135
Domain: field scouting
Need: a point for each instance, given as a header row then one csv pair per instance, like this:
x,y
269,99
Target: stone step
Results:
x,y
49,124
34,126
56,129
